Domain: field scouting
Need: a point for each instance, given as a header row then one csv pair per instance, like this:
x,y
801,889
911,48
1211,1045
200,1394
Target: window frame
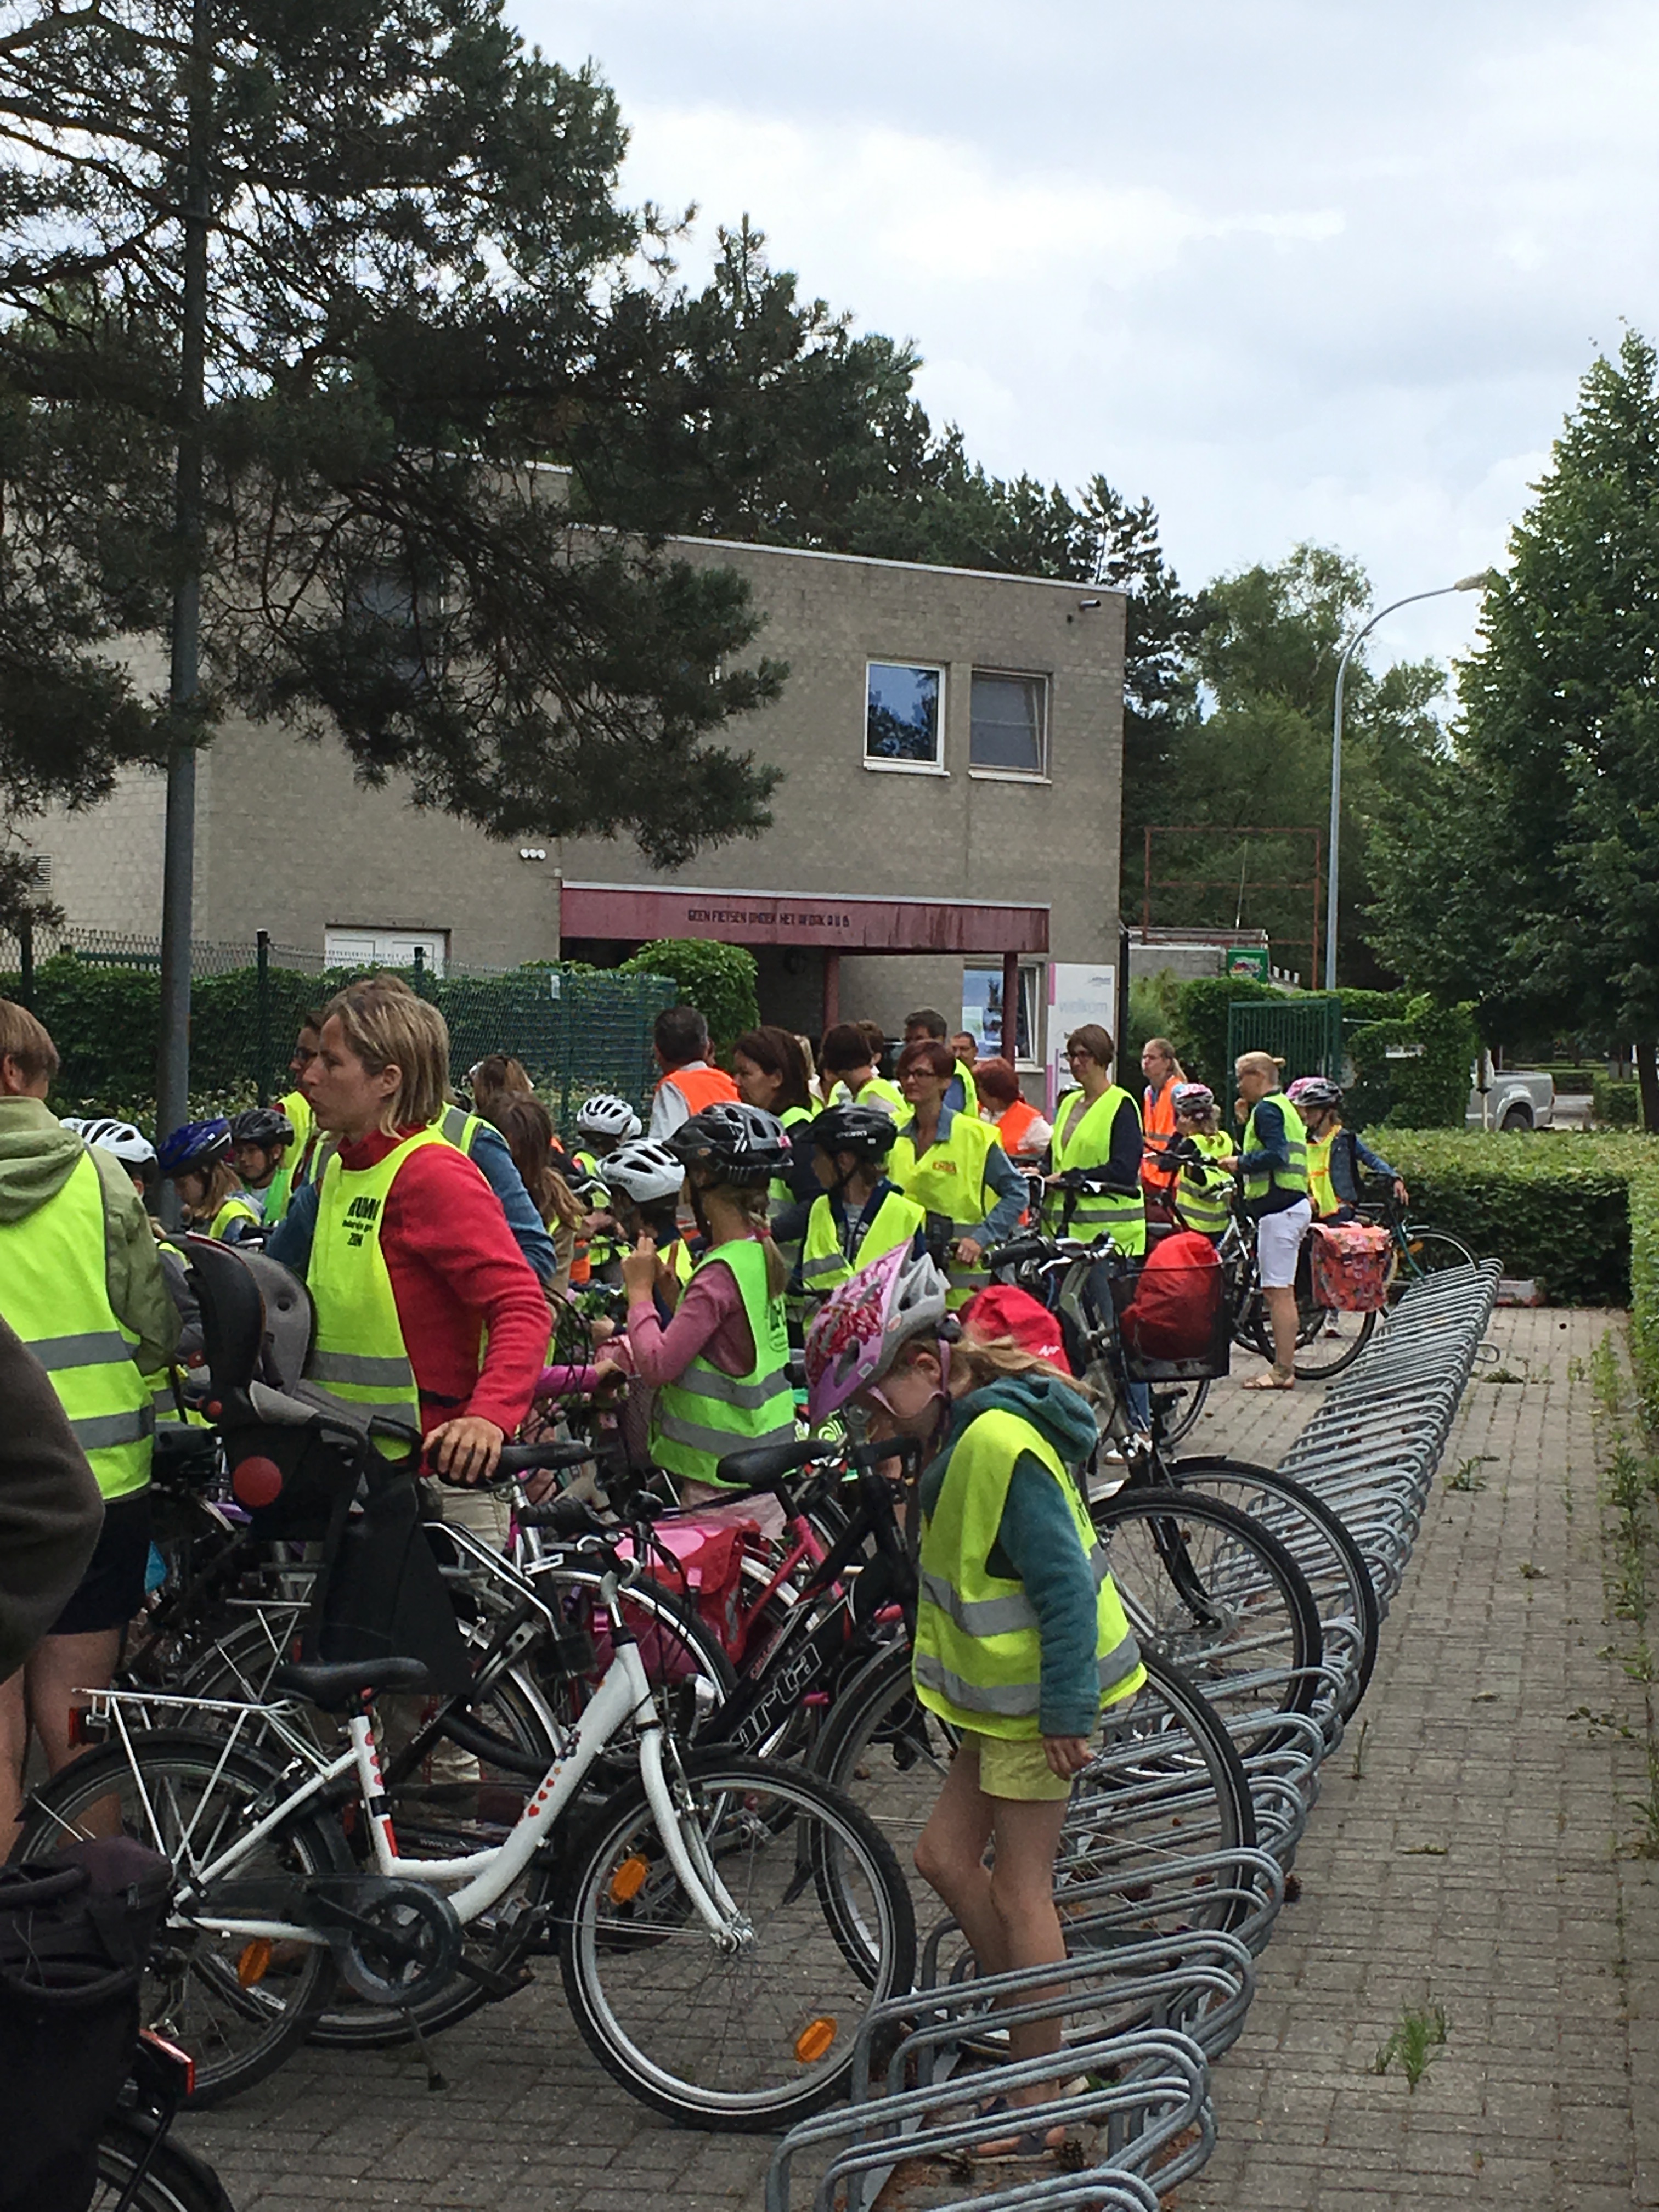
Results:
x,y
1033,995
991,774
936,765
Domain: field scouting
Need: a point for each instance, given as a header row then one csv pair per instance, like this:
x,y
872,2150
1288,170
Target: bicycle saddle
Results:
x,y
336,1685
759,1466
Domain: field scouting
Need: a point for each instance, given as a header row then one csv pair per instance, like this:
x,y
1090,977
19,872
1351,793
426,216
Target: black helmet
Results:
x,y
739,1144
865,1131
264,1126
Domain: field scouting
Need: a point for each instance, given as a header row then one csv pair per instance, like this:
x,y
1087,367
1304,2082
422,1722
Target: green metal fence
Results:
x,y
576,1030
1306,1034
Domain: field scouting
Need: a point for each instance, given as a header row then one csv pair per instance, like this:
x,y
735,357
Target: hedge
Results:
x,y
719,980
1645,1287
1556,1205
1615,1105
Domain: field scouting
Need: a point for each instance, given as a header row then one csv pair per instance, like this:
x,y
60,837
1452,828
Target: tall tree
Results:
x,y
1527,876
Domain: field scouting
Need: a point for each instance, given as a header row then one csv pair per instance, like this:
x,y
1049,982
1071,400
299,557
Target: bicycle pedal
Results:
x,y
497,1984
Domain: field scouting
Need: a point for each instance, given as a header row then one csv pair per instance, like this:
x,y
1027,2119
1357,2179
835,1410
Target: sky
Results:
x,y
1327,272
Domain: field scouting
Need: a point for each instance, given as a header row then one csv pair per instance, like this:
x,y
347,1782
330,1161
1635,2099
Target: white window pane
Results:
x,y
901,714
1008,723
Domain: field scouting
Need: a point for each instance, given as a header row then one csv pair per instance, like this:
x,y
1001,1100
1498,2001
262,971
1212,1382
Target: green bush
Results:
x,y
1198,1031
1553,1205
1429,1088
1645,1287
1615,1105
719,980
1154,1011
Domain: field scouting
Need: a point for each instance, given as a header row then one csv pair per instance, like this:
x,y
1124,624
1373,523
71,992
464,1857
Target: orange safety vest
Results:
x,y
701,1086
1012,1125
1159,1121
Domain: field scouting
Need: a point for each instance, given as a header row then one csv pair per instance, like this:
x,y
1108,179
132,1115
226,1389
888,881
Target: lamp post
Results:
x,y
1477,583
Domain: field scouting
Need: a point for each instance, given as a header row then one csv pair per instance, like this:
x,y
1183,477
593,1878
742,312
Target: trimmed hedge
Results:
x,y
1616,1105
1645,1287
1556,1205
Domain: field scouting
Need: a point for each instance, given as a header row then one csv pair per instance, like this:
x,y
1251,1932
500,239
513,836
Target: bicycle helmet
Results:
x,y
739,1145
865,1131
863,1326
264,1126
604,1115
196,1145
645,1171
1192,1098
129,1144
1313,1091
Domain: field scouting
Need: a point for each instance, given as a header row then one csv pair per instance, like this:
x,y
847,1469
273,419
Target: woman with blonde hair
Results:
x,y
1272,1161
426,1311
1021,1639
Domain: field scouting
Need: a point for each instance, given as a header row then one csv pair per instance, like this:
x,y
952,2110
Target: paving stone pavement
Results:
x,y
1480,1857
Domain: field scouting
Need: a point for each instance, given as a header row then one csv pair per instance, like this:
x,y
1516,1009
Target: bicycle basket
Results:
x,y
1173,1315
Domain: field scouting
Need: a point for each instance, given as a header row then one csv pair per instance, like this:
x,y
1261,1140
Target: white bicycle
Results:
x,y
723,1923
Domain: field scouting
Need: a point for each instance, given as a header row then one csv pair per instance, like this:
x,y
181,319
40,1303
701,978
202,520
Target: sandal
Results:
x,y
1030,2143
1272,1378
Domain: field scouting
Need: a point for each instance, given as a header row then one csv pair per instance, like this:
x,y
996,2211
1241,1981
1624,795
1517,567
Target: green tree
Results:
x,y
1526,874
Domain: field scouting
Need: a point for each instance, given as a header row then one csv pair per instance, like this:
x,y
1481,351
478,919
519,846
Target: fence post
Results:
x,y
261,1004
26,959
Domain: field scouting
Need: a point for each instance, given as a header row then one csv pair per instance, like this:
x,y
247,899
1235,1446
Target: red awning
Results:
x,y
638,913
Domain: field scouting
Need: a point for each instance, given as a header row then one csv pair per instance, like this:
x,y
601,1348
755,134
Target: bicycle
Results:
x,y
1419,1250
723,1921
141,2168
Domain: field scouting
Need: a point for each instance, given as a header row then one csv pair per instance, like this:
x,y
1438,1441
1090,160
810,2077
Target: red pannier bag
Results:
x,y
1349,1264
1177,1299
706,1566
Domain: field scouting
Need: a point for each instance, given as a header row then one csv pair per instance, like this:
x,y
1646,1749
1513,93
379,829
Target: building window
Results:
x,y
387,948
1010,723
903,721
981,1010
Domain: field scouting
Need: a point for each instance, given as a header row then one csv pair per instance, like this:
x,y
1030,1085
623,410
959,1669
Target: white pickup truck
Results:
x,y
1509,1098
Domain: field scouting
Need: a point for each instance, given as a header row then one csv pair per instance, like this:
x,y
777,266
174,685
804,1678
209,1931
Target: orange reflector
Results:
x,y
629,1880
254,1964
814,2039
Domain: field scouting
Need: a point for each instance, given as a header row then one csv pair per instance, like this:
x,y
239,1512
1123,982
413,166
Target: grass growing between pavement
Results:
x,y
1628,1458
1412,2045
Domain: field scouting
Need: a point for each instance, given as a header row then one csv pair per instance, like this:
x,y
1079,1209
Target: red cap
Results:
x,y
1003,1311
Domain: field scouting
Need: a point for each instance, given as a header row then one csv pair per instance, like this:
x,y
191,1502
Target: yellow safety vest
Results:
x,y
1083,1139
1321,1189
296,1157
824,1264
1204,1195
878,1093
55,1292
979,1651
358,1353
949,1179
1293,1178
235,1208
707,1414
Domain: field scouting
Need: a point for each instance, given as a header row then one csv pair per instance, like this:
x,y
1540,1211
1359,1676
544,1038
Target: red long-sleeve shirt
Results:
x,y
455,1273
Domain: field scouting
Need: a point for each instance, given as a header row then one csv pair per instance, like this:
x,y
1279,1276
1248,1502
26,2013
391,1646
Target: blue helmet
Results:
x,y
198,1144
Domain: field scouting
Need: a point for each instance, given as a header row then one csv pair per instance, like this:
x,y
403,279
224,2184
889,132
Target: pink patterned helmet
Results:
x,y
866,1324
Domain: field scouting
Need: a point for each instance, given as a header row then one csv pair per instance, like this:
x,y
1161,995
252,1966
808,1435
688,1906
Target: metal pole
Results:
x,y
1441,591
262,963
178,862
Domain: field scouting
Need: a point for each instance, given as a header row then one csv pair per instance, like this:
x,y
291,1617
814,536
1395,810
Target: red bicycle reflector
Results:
x,y
257,1481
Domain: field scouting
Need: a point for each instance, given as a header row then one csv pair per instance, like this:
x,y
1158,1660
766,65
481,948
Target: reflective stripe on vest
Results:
x,y
55,1293
1321,1189
949,1179
1293,1178
824,1264
703,1415
359,1353
1203,1196
1083,1139
979,1648
459,1128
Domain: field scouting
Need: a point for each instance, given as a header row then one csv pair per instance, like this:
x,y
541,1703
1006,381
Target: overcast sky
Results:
x,y
1298,271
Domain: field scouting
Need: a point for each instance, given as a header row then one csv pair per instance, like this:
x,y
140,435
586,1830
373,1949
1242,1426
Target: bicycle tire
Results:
x,y
1212,1592
1318,1539
1427,1252
794,1884
177,2180
189,1986
890,1754
1328,1341
1189,1400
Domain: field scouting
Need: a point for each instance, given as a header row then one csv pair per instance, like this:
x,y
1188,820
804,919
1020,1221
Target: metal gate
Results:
x,y
1306,1034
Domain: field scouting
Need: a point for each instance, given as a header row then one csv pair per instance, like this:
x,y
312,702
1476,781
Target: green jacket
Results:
x,y
36,1154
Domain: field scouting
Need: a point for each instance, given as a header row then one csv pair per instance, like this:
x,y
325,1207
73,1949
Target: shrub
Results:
x,y
718,979
1427,1089
1615,1105
1554,1205
1198,1031
1645,1287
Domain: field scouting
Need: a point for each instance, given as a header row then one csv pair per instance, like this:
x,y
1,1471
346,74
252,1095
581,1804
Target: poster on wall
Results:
x,y
1076,995
981,1009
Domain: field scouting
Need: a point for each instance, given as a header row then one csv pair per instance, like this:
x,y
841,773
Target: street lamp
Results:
x,y
1477,583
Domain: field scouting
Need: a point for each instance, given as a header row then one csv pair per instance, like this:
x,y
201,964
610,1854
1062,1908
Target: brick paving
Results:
x,y
1481,1857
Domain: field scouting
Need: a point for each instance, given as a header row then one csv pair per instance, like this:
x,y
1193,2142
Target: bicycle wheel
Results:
x,y
1419,1252
176,2180
1328,1340
1179,1406
1314,1534
1178,1787
189,1797
1208,1588
758,2036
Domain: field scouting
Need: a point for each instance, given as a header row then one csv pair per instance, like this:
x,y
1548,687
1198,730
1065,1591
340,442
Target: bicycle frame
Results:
x,y
482,1877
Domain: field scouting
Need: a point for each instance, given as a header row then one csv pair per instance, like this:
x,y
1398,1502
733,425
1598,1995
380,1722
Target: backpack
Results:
x,y
74,1932
1176,1303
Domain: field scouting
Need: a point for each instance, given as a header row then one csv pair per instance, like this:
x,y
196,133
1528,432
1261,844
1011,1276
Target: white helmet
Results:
x,y
646,1171
129,1146
604,1115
